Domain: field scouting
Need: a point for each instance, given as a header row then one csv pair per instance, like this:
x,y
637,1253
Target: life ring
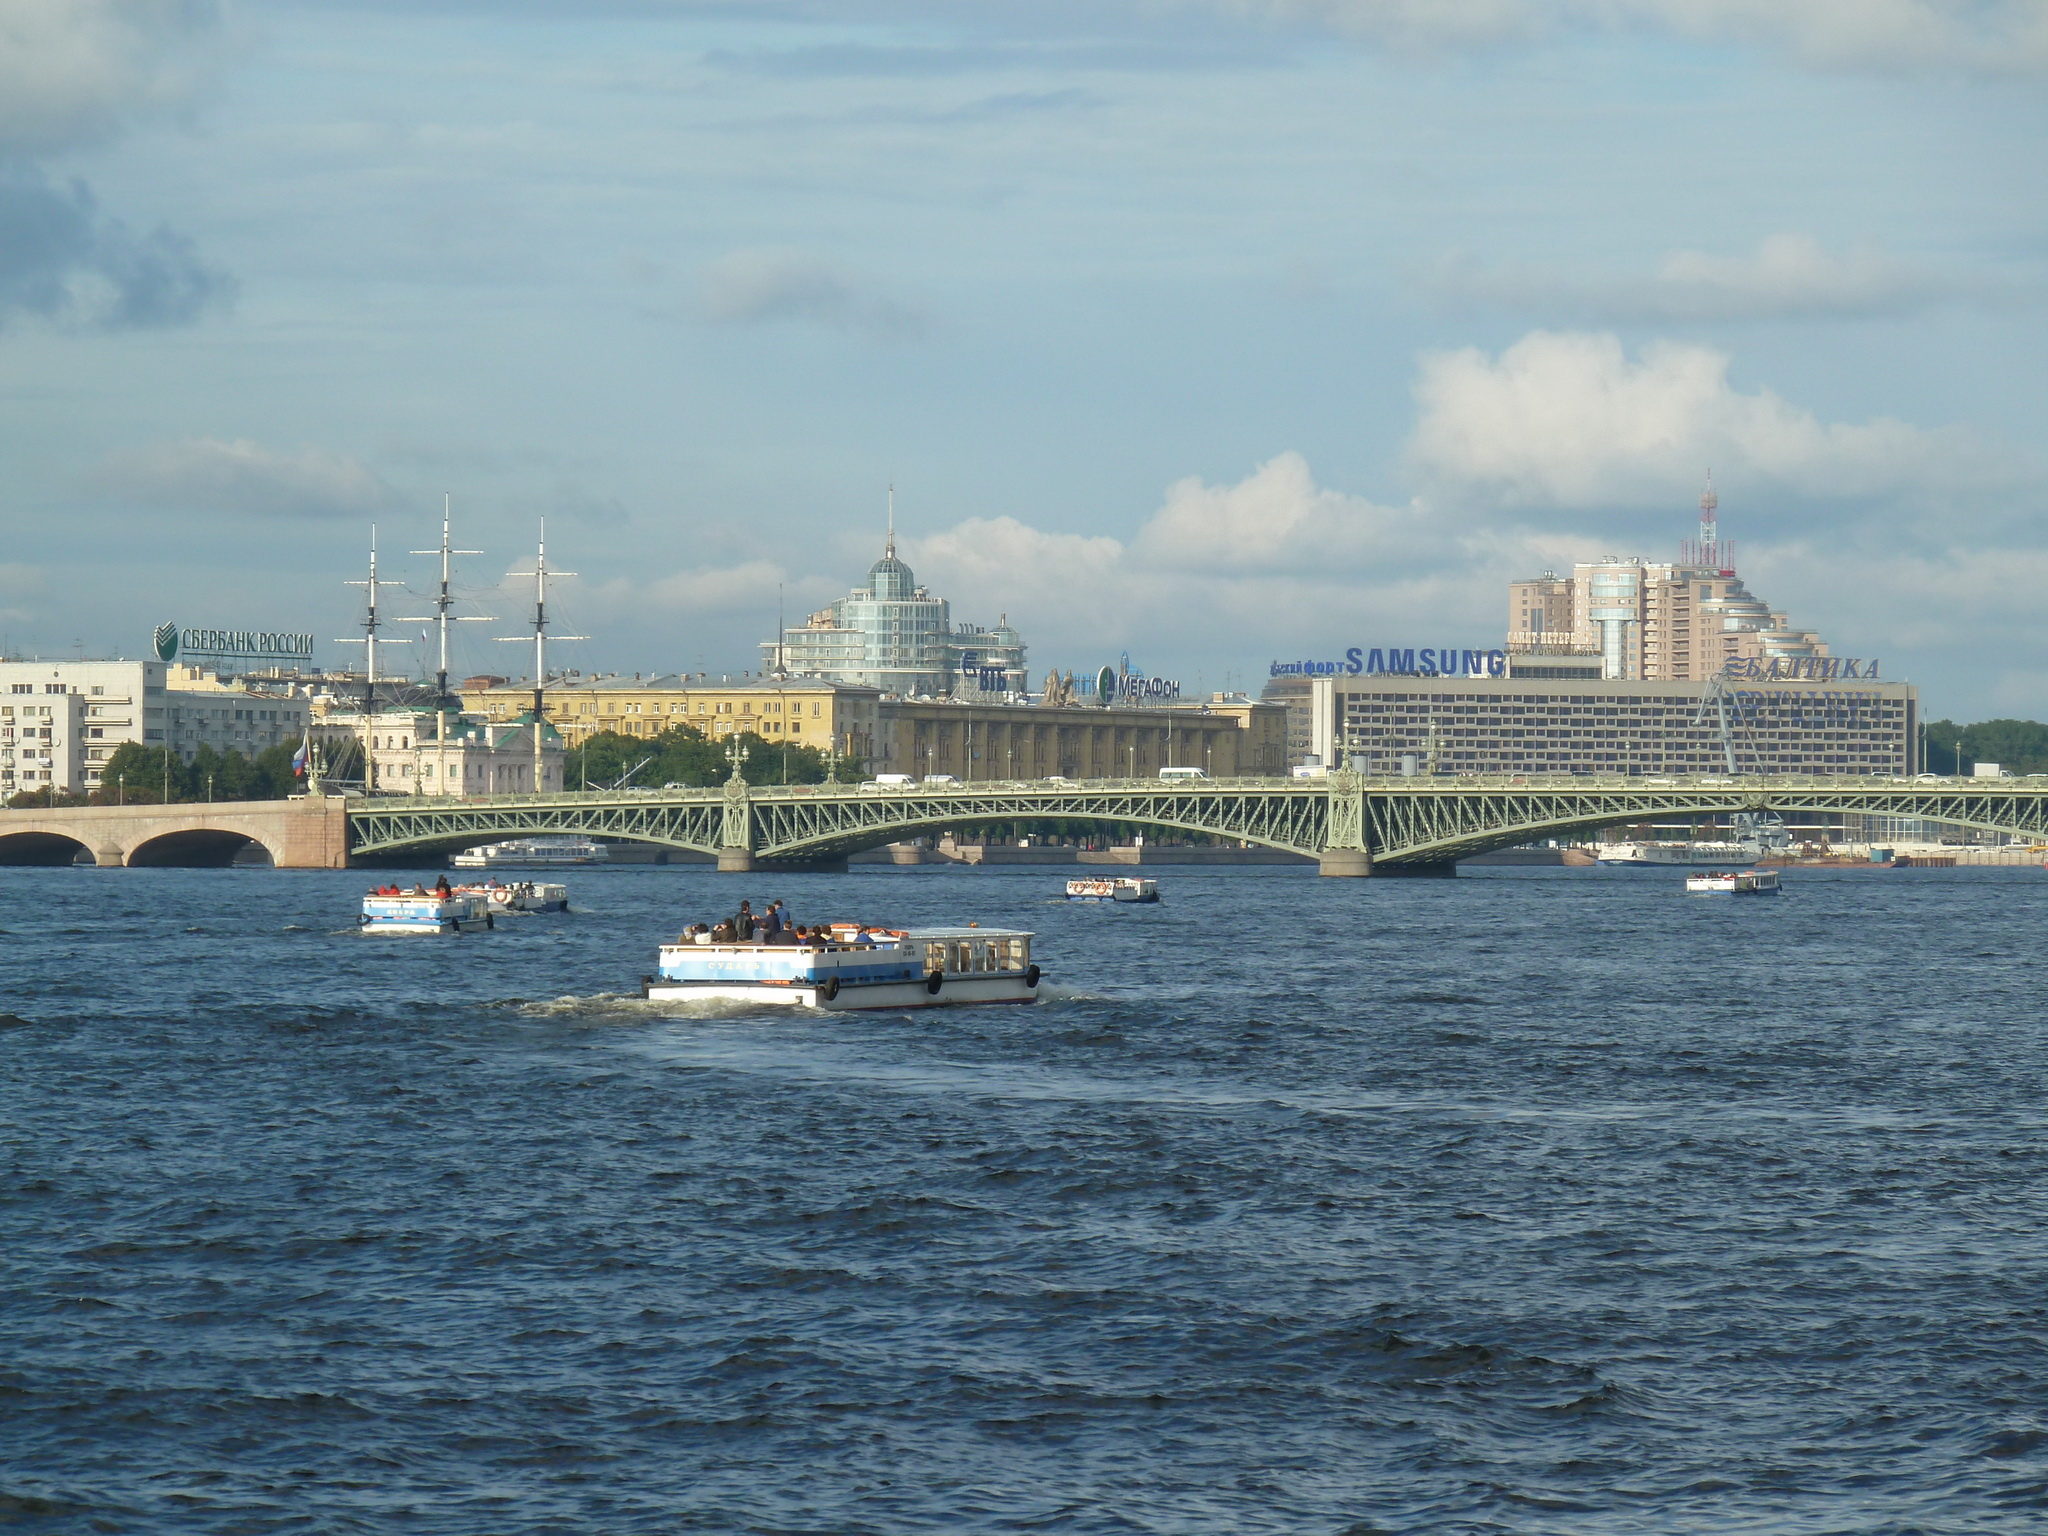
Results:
x,y
1031,977
933,982
831,988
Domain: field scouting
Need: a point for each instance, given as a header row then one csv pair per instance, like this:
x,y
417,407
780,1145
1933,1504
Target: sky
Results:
x,y
1217,332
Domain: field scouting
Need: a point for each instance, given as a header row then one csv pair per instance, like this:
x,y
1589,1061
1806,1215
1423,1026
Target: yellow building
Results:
x,y
836,718
1227,737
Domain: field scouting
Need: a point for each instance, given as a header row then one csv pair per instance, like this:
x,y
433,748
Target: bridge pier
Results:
x,y
109,856
735,861
1347,863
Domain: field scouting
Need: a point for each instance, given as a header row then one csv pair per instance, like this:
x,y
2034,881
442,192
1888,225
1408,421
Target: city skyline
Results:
x,y
1423,312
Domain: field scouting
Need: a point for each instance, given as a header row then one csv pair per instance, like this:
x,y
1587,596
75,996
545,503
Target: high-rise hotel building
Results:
x,y
1649,621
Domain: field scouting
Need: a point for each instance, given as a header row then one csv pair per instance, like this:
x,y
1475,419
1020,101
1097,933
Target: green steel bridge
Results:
x,y
1353,824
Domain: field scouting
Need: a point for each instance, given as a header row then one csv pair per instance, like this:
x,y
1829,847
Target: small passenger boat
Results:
x,y
855,968
1104,888
424,912
1730,882
520,896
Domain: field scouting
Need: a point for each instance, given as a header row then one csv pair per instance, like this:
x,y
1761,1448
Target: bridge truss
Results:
x,y
1393,822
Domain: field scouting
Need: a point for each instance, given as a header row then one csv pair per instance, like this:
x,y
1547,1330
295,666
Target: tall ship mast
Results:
x,y
368,641
443,602
540,574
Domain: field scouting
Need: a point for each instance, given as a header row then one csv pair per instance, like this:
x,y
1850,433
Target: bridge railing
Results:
x,y
1371,783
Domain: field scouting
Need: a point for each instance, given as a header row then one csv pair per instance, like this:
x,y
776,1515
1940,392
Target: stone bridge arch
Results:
x,y
47,848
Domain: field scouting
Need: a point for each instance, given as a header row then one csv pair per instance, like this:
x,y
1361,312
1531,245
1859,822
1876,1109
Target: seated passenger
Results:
x,y
723,934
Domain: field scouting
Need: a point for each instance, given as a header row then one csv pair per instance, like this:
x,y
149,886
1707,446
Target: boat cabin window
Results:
x,y
967,957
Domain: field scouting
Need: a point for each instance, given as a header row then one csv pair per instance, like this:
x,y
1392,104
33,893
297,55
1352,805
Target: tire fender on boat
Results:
x,y
831,988
1031,977
933,982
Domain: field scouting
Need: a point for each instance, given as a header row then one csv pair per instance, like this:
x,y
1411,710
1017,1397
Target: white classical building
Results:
x,y
420,751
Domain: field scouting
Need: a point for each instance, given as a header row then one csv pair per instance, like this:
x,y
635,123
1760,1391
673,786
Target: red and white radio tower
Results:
x,y
1709,551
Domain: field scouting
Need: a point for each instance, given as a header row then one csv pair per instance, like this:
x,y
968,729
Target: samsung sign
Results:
x,y
1423,662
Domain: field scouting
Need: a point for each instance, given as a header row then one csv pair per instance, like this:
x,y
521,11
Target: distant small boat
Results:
x,y
1104,888
1733,882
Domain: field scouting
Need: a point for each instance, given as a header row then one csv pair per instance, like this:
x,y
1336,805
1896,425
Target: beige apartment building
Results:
x,y
839,719
61,720
1671,621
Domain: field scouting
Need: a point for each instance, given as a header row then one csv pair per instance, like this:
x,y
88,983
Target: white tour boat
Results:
x,y
856,968
424,912
1733,882
534,853
1104,888
1674,853
519,896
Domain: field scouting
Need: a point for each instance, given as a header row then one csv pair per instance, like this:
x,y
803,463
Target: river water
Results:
x,y
1530,1201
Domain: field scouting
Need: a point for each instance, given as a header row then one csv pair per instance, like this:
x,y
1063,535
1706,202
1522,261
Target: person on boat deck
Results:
x,y
770,924
742,924
441,887
698,934
723,933
782,917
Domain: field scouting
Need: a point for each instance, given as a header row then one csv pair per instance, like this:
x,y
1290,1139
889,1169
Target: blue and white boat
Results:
x,y
856,968
1106,888
424,912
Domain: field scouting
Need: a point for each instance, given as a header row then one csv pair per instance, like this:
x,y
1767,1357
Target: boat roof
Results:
x,y
967,933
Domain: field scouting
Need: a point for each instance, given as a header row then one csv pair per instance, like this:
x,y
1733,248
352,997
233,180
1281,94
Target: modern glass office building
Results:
x,y
892,634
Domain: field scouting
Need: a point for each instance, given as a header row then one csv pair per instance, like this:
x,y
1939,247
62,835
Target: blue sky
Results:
x,y
1215,331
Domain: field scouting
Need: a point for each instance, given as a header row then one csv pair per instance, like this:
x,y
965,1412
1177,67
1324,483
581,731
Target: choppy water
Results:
x,y
1534,1201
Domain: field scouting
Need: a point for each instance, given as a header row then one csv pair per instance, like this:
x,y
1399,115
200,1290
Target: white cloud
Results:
x,y
1570,419
1249,570
1279,519
1790,275
758,285
1989,36
241,476
74,71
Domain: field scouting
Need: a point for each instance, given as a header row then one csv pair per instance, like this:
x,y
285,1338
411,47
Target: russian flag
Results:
x,y
303,756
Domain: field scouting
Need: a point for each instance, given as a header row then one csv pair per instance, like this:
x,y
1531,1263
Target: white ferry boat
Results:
x,y
534,853
519,896
856,968
1675,853
423,912
1733,882
1105,888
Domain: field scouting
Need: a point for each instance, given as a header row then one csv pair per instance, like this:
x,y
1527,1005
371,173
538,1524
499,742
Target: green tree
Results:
x,y
684,755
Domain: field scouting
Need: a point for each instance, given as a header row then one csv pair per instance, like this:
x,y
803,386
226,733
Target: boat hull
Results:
x,y
891,996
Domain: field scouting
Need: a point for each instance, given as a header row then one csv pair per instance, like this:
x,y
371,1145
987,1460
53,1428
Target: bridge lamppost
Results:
x,y
736,754
120,790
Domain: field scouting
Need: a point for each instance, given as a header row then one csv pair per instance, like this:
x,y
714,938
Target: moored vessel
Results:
x,y
1674,853
422,911
1107,888
847,966
1733,882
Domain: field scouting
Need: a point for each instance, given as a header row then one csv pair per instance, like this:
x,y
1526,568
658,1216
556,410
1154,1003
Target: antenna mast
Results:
x,y
889,549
